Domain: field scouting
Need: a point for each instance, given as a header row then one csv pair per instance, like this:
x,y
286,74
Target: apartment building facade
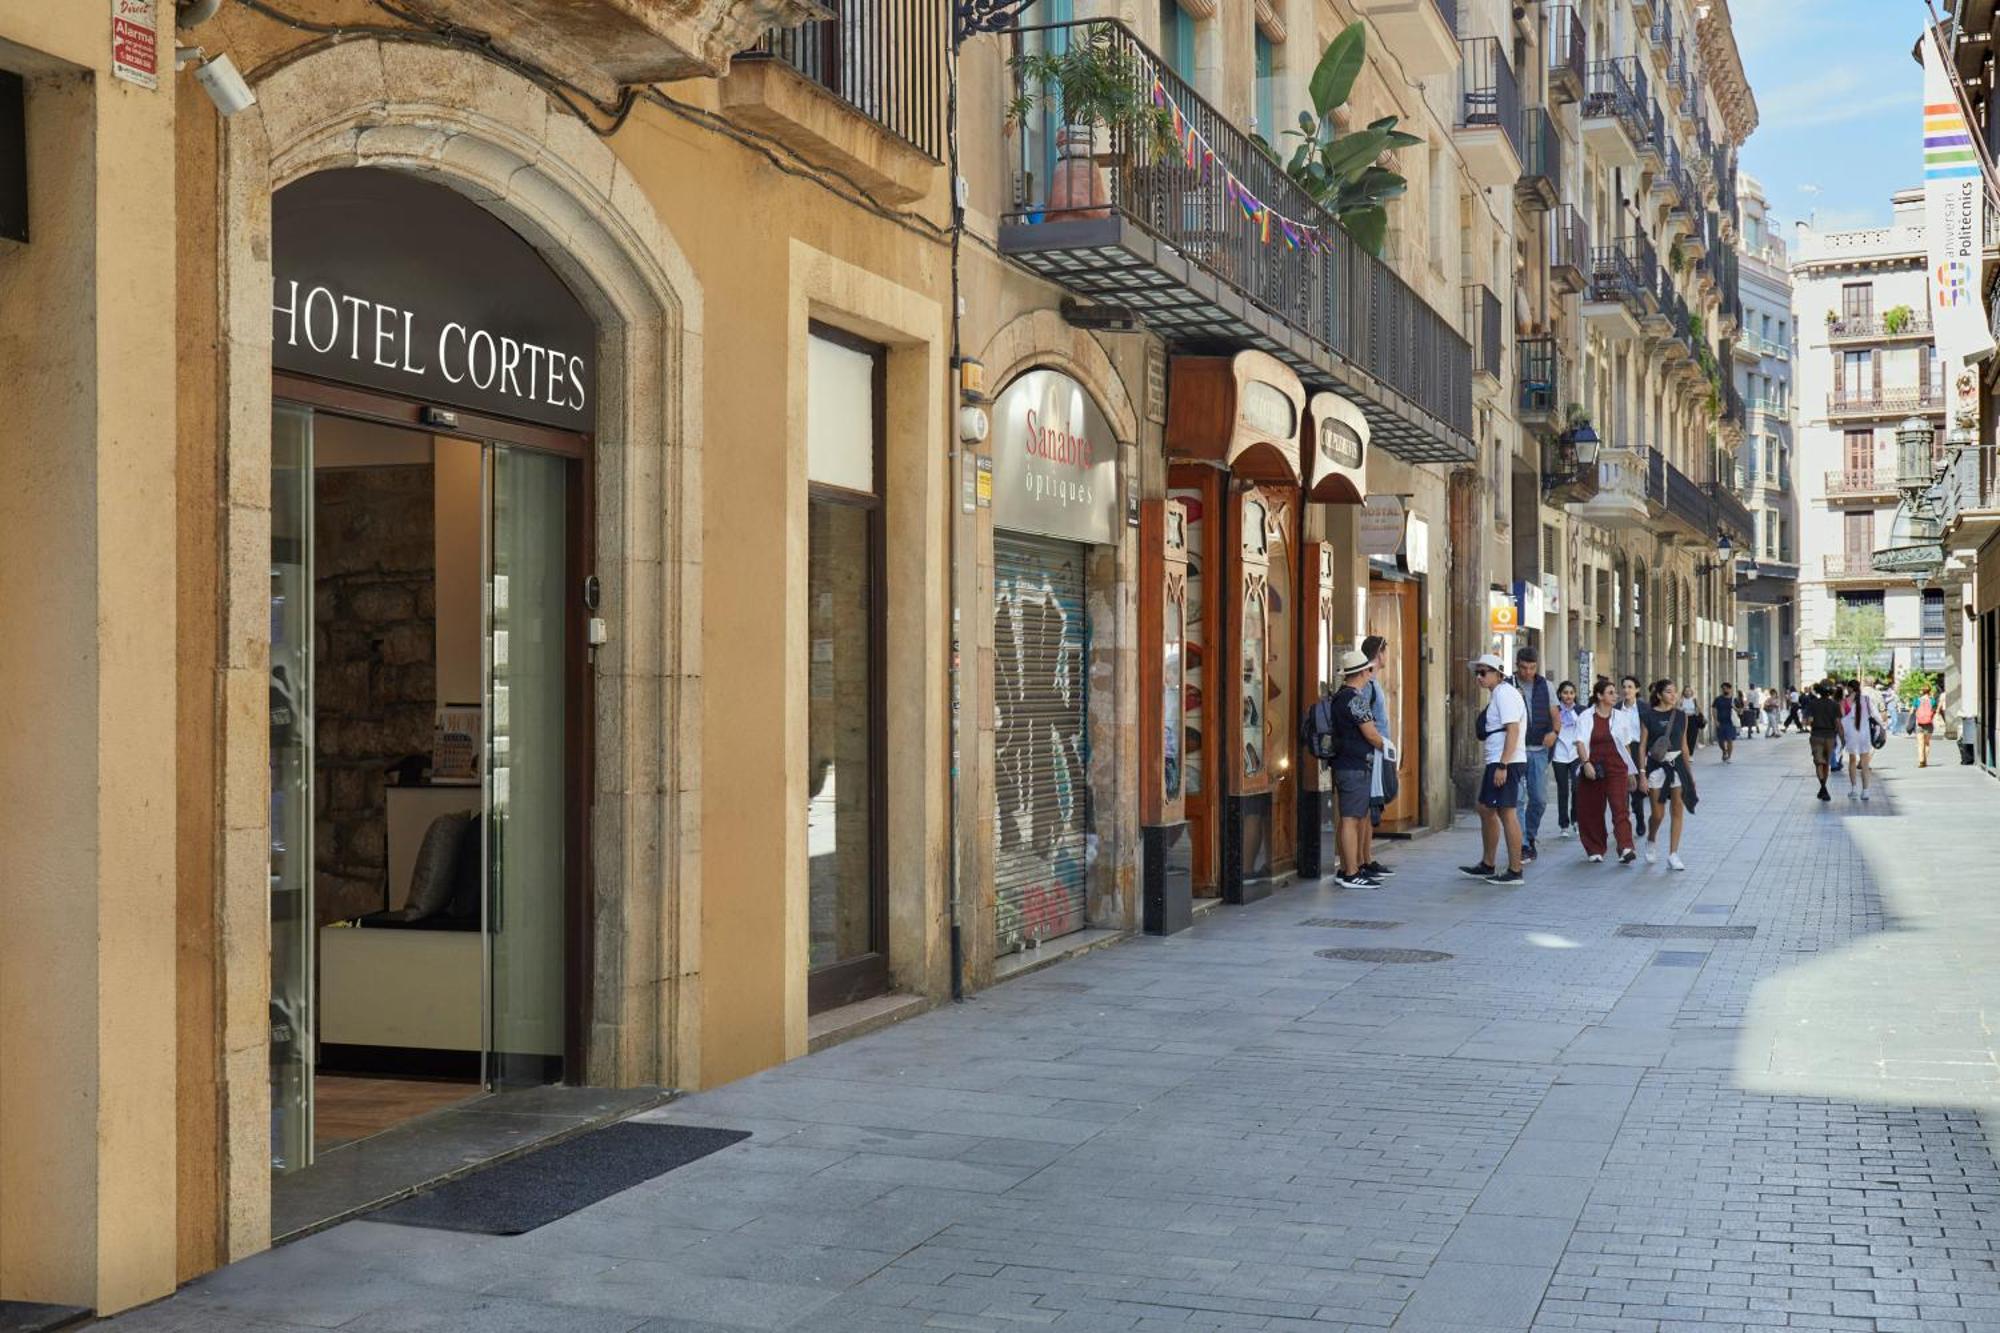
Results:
x,y
1768,570
1866,363
1648,251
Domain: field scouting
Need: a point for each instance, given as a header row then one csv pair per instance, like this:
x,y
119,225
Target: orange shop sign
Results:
x,y
1505,616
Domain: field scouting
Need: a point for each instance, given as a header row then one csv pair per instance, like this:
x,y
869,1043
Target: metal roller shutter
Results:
x,y
1041,815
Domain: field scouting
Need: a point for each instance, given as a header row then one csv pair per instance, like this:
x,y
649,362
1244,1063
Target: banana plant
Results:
x,y
1341,171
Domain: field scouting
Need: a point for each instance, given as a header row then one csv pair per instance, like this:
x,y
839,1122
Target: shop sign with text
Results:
x,y
389,282
1379,529
1055,463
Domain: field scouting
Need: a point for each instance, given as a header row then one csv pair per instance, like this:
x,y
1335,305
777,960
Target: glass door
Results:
x,y
527,869
291,841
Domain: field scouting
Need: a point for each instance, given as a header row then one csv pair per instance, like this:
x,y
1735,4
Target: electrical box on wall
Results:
x,y
13,157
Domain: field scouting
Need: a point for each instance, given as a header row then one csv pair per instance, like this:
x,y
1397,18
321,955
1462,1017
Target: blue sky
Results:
x,y
1837,100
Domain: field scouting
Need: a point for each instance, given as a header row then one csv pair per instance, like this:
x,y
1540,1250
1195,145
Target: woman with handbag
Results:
x,y
1860,735
1666,727
1603,737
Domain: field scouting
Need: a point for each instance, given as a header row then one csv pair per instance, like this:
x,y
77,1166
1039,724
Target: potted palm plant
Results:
x,y
1103,90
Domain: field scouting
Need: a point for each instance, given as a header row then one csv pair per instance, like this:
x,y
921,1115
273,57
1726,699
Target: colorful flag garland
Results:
x,y
1199,155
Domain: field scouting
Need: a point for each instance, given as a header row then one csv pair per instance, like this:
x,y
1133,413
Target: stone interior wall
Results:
x,y
375,679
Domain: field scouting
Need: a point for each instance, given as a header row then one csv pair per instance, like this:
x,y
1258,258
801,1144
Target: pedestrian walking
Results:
x,y
1860,729
1799,714
1824,729
1382,783
1629,702
1564,760
1726,721
1750,715
1929,711
1543,726
1665,723
1503,736
1605,736
1774,708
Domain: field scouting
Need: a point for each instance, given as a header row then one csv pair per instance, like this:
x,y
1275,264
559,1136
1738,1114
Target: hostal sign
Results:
x,y
1055,463
387,281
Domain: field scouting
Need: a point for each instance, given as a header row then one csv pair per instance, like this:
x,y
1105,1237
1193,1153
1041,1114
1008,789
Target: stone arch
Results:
x,y
493,136
1043,338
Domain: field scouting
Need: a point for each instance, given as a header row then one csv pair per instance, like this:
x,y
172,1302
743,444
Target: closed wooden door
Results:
x,y
1392,613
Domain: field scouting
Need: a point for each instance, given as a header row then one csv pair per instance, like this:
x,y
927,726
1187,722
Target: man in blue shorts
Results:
x,y
1503,733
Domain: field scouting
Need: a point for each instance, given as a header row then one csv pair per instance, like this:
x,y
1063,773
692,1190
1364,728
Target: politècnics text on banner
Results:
x,y
1954,221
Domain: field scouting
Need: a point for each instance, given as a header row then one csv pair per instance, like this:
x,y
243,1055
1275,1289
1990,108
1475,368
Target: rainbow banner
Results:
x,y
1954,230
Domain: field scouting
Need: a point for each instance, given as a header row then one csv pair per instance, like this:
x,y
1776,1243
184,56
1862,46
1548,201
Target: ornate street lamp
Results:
x,y
1915,439
1584,440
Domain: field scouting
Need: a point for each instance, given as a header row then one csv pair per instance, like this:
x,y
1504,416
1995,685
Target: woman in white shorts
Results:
x,y
1857,712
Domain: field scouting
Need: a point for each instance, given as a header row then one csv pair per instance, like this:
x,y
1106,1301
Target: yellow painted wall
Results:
x,y
87,696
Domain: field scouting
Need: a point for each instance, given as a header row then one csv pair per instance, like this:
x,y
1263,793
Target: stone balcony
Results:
x,y
603,45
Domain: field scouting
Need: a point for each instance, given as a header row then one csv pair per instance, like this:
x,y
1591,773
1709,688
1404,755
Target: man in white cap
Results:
x,y
1503,733
1355,741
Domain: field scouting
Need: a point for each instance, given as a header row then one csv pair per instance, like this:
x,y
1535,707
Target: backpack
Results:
x,y
1318,733
1925,713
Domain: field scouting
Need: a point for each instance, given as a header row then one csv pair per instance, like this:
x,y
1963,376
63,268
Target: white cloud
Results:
x,y
1836,95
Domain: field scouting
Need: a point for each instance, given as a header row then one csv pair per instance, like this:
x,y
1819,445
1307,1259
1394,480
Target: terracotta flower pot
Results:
x,y
1080,188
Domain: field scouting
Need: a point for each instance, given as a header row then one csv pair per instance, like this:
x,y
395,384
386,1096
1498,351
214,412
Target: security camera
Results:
x,y
219,78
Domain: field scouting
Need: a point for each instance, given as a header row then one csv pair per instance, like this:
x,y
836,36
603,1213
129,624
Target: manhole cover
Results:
x,y
1349,923
1679,958
1383,955
1644,932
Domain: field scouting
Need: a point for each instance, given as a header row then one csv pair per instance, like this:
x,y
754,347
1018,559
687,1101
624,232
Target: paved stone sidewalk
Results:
x,y
1558,1127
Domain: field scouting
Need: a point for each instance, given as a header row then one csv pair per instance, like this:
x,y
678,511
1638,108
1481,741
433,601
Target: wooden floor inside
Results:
x,y
347,1108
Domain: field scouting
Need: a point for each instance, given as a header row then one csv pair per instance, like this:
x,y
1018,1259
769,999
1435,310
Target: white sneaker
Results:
x,y
1674,861
1864,793
1652,854
1565,830
1596,857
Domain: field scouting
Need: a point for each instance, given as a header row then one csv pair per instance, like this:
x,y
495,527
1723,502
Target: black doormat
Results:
x,y
35,1317
539,1187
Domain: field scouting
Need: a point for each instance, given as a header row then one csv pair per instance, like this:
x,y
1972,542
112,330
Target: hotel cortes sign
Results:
x,y
1055,462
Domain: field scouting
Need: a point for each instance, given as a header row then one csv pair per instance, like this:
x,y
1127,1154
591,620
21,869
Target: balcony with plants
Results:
x,y
1899,323
1145,203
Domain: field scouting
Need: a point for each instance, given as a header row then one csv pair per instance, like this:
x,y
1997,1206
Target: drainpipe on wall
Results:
x,y
956,467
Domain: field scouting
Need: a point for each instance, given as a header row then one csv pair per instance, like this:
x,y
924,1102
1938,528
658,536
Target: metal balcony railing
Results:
x,y
1682,497
1567,61
1886,402
1848,484
1624,271
1662,31
1492,95
1137,219
1732,516
1613,88
1733,412
1762,406
1483,329
1652,139
1569,243
1857,566
1541,383
1541,158
884,58
1867,326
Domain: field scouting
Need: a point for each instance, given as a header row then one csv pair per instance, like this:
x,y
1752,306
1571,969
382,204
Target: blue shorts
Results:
x,y
1508,794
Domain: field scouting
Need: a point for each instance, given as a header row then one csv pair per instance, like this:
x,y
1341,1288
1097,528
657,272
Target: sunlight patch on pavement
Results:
x,y
1542,939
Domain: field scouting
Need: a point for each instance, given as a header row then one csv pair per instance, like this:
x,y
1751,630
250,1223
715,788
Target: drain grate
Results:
x,y
1349,923
1383,955
1679,958
1646,932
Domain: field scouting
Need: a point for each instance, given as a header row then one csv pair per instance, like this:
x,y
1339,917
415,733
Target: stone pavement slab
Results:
x,y
1558,1127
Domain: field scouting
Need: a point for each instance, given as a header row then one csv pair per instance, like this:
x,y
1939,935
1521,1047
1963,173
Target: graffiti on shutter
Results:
x,y
1041,747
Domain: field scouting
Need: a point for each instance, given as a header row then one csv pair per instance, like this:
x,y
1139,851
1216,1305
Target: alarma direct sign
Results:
x,y
135,41
1055,463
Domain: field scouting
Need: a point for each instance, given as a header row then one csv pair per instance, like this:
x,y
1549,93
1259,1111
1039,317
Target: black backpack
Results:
x,y
1317,731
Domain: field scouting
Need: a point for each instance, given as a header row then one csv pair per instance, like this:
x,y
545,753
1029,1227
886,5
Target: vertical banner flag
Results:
x,y
1954,226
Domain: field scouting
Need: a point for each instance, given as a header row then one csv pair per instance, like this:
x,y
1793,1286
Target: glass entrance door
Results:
x,y
291,839
527,828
